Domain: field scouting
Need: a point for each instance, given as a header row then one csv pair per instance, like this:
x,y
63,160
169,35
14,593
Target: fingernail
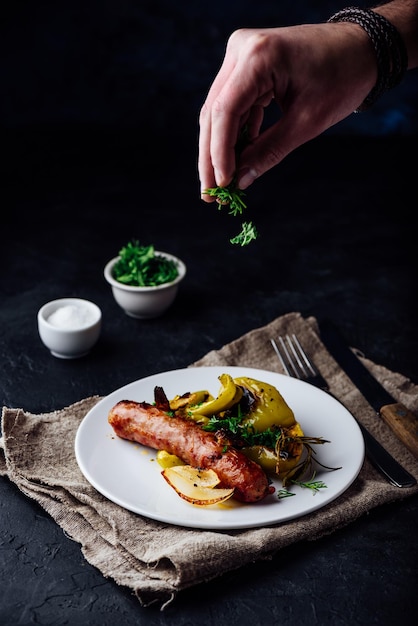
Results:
x,y
246,178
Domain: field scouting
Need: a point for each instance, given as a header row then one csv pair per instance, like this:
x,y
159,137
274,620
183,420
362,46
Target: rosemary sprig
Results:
x,y
306,464
284,493
314,485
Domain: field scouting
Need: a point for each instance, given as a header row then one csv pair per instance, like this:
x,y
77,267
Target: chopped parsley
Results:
x,y
246,434
140,266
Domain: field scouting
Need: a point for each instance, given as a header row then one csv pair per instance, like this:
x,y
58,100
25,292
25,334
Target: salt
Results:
x,y
71,317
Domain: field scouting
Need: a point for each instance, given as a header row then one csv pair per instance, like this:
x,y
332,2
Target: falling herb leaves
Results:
x,y
232,197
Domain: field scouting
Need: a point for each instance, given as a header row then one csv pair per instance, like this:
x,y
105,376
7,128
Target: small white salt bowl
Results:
x,y
145,302
69,327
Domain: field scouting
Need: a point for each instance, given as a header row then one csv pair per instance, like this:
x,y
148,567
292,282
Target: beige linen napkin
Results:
x,y
156,560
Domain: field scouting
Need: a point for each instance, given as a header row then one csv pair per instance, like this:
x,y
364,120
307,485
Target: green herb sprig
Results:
x,y
235,429
232,197
140,266
247,234
276,439
284,493
314,485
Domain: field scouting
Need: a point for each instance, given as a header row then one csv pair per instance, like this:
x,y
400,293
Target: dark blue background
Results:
x,y
145,66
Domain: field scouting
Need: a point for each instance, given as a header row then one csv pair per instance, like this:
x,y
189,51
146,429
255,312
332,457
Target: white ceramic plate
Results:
x,y
128,474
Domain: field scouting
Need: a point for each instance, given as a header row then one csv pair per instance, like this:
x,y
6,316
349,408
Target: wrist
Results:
x,y
391,58
403,14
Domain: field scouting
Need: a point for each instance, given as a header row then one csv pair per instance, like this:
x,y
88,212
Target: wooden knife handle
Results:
x,y
403,423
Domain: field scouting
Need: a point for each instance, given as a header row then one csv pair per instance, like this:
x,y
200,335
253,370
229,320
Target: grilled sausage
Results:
x,y
150,426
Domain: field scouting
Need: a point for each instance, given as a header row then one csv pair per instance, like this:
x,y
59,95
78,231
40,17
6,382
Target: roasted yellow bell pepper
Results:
x,y
266,457
269,408
229,395
289,457
189,399
266,409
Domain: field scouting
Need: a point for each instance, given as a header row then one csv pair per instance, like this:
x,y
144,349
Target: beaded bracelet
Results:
x,y
390,50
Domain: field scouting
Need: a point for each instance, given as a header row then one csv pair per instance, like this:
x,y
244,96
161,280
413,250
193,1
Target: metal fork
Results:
x,y
296,364
295,361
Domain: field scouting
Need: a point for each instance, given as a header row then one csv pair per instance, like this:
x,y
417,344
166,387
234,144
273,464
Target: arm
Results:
x,y
317,75
403,14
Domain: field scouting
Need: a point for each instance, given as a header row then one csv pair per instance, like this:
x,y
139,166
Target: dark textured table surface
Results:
x,y
335,240
98,111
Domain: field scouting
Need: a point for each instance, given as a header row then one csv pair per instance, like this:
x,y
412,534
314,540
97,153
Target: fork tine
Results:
x,y
288,363
279,356
294,359
304,356
296,356
289,358
296,363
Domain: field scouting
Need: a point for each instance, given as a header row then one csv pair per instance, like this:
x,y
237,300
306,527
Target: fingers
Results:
x,y
220,127
313,75
208,175
217,141
228,106
205,167
239,95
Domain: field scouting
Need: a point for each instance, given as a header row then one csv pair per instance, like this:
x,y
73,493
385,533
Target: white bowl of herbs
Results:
x,y
144,281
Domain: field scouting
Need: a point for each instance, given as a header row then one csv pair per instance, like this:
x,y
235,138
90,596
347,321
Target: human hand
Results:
x,y
315,74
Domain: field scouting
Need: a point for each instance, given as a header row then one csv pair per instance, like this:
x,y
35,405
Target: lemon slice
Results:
x,y
197,486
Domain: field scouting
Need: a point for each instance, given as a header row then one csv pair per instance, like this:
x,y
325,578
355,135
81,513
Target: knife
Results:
x,y
396,415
